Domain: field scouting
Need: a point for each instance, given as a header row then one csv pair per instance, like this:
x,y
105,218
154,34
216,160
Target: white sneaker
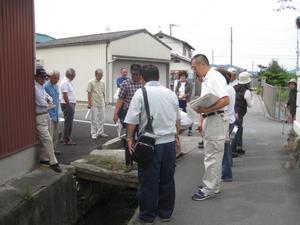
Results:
x,y
103,135
94,137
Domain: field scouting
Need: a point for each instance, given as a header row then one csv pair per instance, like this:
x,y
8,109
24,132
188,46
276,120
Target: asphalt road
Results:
x,y
81,135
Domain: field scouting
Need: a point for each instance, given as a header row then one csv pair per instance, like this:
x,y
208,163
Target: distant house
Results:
x,y
181,54
108,51
41,38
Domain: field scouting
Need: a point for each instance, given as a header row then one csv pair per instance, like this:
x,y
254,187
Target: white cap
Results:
x,y
245,77
231,70
293,80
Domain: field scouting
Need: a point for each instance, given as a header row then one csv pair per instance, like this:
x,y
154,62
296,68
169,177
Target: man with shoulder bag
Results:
x,y
156,168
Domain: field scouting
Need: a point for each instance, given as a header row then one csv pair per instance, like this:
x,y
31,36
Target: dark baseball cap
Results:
x,y
135,68
40,72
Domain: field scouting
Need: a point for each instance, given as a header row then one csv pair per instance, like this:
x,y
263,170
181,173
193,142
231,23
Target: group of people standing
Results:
x,y
49,96
156,191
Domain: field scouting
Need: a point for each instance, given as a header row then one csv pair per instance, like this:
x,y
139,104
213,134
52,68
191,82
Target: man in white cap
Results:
x,y
243,100
292,98
233,74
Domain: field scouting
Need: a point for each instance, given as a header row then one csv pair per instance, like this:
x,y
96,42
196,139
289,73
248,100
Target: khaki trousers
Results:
x,y
47,150
97,120
54,132
215,130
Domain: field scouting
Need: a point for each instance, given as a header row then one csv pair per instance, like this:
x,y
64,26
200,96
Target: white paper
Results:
x,y
204,101
116,95
192,114
119,127
87,114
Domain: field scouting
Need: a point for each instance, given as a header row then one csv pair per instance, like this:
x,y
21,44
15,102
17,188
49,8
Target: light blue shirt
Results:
x,y
41,105
164,109
53,91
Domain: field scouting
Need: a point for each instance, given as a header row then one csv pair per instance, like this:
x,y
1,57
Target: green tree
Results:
x,y
274,74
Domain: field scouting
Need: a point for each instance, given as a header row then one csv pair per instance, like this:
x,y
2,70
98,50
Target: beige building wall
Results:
x,y
141,45
83,58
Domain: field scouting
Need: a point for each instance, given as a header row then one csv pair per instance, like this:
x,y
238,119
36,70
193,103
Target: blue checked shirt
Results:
x,y
53,91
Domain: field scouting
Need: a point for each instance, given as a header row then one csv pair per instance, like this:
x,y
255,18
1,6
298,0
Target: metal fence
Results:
x,y
274,99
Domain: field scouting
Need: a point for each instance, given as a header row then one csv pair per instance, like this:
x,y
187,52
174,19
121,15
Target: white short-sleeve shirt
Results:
x,y
230,109
164,109
214,83
67,87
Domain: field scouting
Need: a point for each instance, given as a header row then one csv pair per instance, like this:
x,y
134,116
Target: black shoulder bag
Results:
x,y
144,147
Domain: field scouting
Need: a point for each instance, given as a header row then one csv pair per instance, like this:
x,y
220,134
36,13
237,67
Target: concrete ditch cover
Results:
x,y
106,166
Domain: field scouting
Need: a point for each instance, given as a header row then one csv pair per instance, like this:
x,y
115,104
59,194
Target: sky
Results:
x,y
259,33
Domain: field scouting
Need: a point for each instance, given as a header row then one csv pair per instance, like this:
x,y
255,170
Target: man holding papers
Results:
x,y
213,125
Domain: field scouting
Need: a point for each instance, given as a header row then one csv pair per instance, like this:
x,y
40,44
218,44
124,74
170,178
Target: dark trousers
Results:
x,y
182,105
237,142
68,111
156,191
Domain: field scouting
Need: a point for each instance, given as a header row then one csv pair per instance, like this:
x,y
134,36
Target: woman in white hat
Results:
x,y
243,100
292,98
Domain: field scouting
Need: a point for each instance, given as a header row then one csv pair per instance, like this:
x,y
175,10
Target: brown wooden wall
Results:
x,y
17,118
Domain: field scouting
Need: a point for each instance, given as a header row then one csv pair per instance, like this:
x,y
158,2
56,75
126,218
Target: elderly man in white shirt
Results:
x,y
156,191
213,124
47,155
68,102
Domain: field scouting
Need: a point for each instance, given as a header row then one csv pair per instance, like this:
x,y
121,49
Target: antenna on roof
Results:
x,y
172,25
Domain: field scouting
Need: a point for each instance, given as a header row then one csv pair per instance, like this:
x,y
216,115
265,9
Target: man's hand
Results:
x,y
115,117
130,143
200,126
202,110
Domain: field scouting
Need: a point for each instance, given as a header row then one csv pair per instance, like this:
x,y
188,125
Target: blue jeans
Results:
x,y
227,158
156,191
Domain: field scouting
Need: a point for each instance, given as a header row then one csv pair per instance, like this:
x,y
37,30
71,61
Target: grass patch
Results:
x,y
26,195
108,162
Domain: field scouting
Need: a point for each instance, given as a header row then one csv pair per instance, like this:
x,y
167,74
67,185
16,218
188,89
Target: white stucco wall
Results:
x,y
85,59
140,45
140,48
177,47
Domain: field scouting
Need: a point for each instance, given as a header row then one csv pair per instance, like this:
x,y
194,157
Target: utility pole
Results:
x,y
170,26
297,51
212,56
231,46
